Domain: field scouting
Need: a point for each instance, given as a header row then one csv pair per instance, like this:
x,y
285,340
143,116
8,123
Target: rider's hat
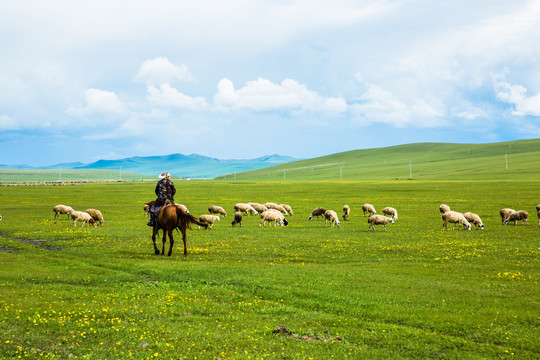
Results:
x,y
164,175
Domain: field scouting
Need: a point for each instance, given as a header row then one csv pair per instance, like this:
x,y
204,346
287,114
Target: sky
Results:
x,y
238,79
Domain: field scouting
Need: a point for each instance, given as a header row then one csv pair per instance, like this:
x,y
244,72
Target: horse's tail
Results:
x,y
185,220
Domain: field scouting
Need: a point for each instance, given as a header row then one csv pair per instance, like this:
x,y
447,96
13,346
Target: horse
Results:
x,y
173,217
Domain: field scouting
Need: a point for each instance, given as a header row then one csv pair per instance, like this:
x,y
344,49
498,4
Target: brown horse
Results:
x,y
173,217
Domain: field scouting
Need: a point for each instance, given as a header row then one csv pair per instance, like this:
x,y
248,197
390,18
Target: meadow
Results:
x,y
414,291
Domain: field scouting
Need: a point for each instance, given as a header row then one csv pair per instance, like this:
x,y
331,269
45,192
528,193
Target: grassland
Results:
x,y
414,291
424,161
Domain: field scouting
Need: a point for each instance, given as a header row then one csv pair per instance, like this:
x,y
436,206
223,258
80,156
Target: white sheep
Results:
x,y
538,217
368,208
331,215
62,209
517,216
271,205
444,208
96,215
214,209
208,219
273,215
245,208
0,216
379,220
237,219
390,211
84,217
504,213
288,208
317,212
474,220
259,207
455,218
346,212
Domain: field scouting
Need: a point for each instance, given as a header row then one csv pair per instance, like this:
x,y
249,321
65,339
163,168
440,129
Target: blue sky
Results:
x,y
90,80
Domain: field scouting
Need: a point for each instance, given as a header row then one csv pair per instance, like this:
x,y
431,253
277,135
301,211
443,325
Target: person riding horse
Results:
x,y
165,190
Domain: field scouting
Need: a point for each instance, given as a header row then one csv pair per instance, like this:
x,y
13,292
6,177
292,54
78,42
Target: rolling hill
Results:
x,y
421,161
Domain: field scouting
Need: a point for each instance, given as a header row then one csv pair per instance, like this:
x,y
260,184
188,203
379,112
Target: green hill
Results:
x,y
422,161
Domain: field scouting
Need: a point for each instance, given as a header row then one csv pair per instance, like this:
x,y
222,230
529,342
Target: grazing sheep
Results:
x,y
208,219
259,207
146,208
287,208
62,209
538,217
0,216
331,215
516,216
504,213
245,208
474,220
317,212
84,217
237,218
214,209
455,218
346,212
271,205
379,220
444,208
390,211
275,216
96,215
368,208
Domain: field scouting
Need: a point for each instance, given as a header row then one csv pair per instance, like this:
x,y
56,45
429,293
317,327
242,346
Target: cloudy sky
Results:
x,y
90,80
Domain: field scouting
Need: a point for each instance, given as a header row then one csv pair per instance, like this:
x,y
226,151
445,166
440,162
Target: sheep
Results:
x,y
245,208
516,216
84,217
214,209
474,220
368,208
275,216
208,219
538,207
259,207
444,208
237,218
287,208
62,209
271,205
455,218
390,211
317,212
96,215
504,213
379,220
331,215
537,210
346,212
0,216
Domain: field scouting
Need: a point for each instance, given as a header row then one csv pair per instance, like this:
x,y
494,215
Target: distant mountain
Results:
x,y
179,165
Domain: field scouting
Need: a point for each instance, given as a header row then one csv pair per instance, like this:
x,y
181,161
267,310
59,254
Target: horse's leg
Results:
x,y
184,238
171,242
154,233
164,240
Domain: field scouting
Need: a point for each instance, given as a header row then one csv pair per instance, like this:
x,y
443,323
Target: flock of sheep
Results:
x,y
275,213
90,216
466,219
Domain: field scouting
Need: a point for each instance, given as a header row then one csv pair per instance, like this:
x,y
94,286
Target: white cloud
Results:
x,y
160,71
7,123
516,95
379,105
264,95
166,95
100,101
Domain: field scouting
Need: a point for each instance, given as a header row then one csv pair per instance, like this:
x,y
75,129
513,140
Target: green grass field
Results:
x,y
414,291
426,161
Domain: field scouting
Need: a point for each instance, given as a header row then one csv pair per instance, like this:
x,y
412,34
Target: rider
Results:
x,y
165,190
